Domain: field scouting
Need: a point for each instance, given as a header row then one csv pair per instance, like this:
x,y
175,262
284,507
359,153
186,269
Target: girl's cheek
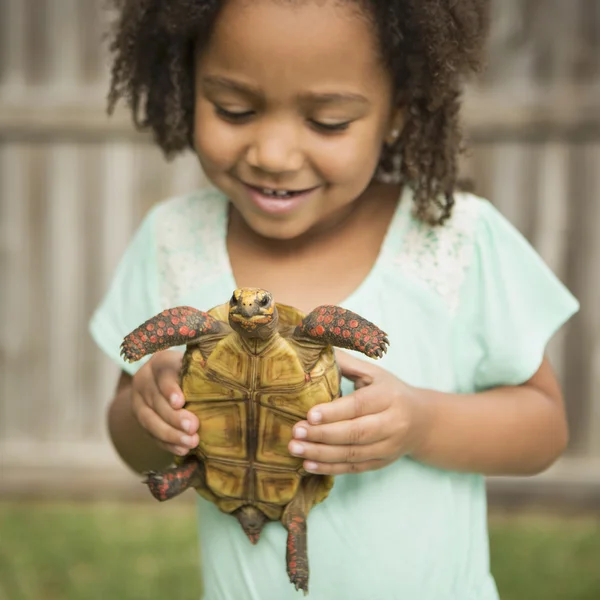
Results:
x,y
349,160
215,144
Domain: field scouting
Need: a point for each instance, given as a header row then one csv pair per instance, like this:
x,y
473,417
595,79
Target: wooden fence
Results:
x,y
74,184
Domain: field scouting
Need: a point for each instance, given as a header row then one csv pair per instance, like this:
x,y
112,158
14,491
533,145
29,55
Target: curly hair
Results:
x,y
429,47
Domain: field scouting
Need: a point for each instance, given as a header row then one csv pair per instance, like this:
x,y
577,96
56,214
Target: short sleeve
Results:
x,y
513,301
132,296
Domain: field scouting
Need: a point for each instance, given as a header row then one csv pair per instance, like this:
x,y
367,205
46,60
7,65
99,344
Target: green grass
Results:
x,y
131,552
91,552
546,557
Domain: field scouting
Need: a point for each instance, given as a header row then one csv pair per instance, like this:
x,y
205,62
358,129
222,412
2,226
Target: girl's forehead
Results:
x,y
291,42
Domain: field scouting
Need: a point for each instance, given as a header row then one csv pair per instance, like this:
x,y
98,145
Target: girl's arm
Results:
x,y
146,421
133,444
517,430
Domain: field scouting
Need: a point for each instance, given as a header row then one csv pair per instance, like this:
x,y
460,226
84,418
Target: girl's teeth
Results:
x,y
275,193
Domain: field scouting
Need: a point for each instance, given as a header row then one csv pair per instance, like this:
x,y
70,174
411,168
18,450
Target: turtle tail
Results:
x,y
252,521
172,327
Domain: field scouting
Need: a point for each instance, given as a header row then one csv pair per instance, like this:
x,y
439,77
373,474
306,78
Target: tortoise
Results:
x,y
253,368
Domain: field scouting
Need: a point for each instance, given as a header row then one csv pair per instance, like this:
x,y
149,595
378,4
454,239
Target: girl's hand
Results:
x,y
157,402
366,430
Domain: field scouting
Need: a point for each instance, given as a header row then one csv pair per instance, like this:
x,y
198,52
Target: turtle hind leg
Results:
x,y
167,484
313,489
336,326
297,551
252,521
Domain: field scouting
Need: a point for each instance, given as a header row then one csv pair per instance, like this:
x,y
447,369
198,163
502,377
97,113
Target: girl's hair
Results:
x,y
429,46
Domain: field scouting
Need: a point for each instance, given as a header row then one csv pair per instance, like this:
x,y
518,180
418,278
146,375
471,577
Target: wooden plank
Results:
x,y
569,114
581,277
65,44
65,266
590,295
550,226
87,470
16,294
13,46
509,162
119,199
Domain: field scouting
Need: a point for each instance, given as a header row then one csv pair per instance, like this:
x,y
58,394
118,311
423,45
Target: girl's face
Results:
x,y
292,108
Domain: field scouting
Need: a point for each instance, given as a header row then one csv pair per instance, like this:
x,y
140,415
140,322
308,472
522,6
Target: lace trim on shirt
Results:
x,y
440,256
189,233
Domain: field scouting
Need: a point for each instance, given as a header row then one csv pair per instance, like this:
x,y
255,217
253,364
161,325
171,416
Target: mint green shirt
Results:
x,y
467,307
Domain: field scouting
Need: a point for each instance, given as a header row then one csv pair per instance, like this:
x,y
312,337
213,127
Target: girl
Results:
x,y
329,132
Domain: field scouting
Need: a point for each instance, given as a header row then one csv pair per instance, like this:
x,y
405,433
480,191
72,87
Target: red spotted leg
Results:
x,y
173,327
313,489
345,329
167,484
297,551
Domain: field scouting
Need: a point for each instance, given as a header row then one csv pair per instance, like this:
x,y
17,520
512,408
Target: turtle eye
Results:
x,y
233,300
264,301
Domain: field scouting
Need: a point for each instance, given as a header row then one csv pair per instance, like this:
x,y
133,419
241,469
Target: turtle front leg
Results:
x,y
167,484
343,328
172,327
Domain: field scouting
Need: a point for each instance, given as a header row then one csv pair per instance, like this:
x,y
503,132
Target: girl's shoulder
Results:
x,y
190,240
197,211
440,256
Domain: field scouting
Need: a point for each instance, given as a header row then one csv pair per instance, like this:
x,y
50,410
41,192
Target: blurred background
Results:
x,y
74,522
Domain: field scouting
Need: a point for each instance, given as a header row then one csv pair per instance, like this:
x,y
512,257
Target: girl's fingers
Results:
x,y
178,450
169,388
162,393
367,430
350,453
180,418
343,468
365,401
158,426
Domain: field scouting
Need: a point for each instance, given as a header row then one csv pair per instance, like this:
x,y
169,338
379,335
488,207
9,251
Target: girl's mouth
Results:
x,y
278,201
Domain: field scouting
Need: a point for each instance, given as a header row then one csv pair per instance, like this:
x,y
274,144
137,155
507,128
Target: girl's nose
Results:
x,y
275,149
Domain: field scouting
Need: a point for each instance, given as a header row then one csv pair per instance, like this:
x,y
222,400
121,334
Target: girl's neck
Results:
x,y
326,265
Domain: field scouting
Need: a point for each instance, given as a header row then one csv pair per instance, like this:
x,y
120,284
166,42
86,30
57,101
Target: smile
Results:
x,y
279,193
278,201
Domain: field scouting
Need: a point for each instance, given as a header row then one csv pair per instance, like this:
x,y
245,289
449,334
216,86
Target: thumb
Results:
x,y
356,369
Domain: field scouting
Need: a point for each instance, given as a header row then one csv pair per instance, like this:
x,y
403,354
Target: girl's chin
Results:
x,y
277,229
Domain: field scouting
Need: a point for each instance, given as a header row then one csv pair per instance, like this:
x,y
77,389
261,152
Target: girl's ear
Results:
x,y
396,125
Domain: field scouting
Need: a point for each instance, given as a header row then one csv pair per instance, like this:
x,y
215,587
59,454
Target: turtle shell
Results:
x,y
248,395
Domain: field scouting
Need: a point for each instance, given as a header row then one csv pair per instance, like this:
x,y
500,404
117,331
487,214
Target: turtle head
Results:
x,y
252,313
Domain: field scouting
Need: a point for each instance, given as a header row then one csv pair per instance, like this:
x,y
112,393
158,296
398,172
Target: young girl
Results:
x,y
329,132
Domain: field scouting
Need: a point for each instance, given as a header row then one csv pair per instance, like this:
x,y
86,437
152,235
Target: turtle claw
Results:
x,y
300,583
129,352
151,477
376,348
157,485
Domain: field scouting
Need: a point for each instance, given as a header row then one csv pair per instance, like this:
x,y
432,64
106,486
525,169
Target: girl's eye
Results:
x,y
233,117
330,127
